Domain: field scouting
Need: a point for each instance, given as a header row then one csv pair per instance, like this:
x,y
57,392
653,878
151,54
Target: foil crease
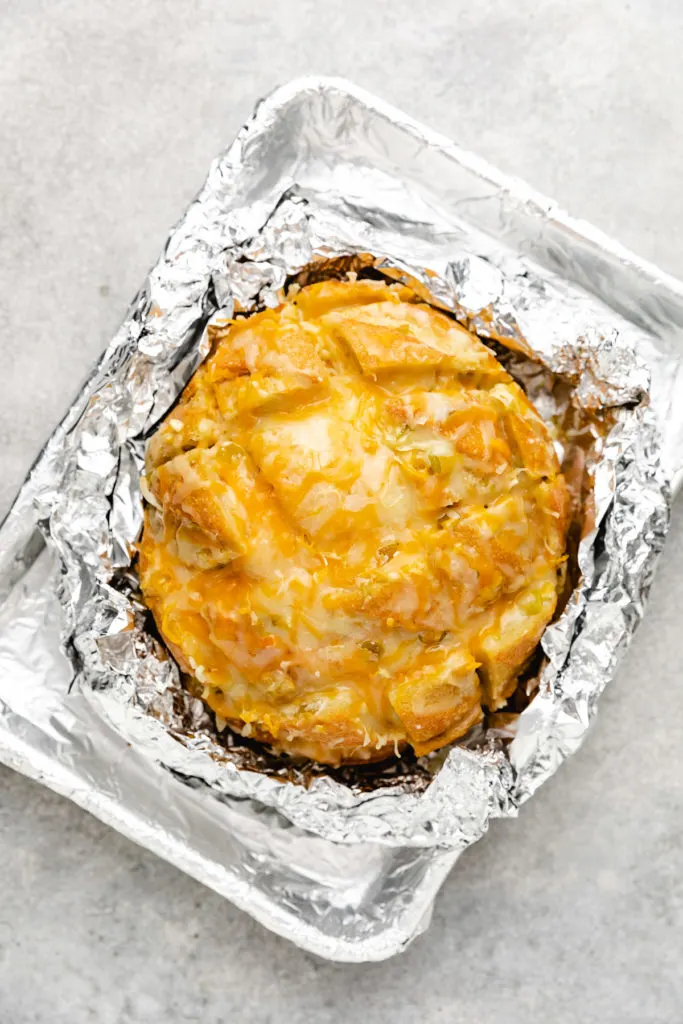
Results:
x,y
267,213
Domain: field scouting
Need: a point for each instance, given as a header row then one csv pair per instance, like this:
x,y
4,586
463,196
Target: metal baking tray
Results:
x,y
346,900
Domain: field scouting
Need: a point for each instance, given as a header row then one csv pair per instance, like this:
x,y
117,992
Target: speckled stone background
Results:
x,y
110,112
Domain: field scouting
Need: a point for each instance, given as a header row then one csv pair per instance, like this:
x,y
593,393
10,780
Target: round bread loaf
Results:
x,y
354,527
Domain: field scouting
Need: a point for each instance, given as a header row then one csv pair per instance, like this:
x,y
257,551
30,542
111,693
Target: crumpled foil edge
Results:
x,y
236,245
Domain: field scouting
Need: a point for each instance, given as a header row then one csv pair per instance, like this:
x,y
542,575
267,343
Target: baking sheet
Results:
x,y
330,146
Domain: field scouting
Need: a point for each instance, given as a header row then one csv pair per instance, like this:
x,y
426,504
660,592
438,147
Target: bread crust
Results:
x,y
353,527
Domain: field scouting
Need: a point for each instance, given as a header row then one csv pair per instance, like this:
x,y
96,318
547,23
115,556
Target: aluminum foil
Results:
x,y
324,179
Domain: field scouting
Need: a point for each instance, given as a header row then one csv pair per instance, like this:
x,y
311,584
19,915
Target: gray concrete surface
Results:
x,y
109,115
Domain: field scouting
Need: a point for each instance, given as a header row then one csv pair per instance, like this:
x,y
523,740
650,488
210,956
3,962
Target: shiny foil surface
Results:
x,y
324,180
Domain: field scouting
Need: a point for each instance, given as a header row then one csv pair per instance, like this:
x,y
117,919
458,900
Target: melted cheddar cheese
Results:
x,y
354,524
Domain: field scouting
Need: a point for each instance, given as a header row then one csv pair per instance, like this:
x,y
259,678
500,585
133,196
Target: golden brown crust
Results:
x,y
354,527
